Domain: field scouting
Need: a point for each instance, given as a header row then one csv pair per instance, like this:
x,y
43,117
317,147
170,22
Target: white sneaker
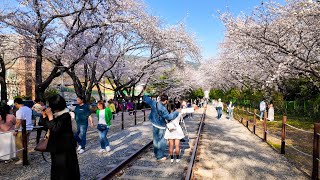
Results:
x,y
18,162
79,147
108,148
101,150
172,160
177,160
81,151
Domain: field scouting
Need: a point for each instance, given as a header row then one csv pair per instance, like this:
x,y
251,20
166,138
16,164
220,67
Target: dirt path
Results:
x,y
229,151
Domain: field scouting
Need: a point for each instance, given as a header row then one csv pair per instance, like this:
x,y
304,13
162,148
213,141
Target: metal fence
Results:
x,y
305,109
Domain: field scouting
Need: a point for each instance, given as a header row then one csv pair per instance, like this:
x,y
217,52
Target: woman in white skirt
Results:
x,y
271,112
7,140
174,137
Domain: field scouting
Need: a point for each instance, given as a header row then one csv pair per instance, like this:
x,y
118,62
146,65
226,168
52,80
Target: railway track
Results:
x,y
141,164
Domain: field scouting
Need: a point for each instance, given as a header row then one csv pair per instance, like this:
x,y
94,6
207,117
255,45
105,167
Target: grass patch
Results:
x,y
276,146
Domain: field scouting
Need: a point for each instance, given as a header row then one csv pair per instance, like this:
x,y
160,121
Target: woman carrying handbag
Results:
x,y
61,144
174,137
104,117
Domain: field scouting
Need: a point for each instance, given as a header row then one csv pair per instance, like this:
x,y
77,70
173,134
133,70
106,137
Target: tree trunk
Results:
x,y
39,92
3,81
76,83
99,92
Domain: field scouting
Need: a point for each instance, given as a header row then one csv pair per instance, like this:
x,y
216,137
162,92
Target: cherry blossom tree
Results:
x,y
274,43
55,28
8,57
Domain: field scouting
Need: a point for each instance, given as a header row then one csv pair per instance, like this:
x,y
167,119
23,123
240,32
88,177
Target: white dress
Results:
x,y
271,114
177,133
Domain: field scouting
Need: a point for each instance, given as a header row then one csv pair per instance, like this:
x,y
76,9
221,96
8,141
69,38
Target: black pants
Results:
x,y
64,166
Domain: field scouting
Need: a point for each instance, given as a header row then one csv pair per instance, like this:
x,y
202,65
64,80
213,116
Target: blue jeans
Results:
x,y
103,138
159,143
261,114
82,132
219,111
230,113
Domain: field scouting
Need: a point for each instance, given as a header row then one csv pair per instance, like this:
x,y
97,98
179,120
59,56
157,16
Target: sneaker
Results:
x,y
101,150
18,162
108,148
81,151
162,159
79,147
171,160
177,160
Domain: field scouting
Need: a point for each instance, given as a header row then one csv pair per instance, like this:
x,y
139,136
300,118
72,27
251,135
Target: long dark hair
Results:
x,y
5,110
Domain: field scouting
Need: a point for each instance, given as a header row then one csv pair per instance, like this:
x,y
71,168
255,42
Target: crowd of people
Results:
x,y
263,107
66,131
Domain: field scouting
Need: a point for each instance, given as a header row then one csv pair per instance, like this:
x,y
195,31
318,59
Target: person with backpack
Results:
x,y
104,116
158,116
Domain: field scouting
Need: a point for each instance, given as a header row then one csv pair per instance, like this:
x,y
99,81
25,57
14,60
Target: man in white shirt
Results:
x,y
262,109
23,113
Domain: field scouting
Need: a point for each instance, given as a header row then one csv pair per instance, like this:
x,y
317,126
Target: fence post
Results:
x,y
265,126
144,113
24,143
122,119
247,123
242,114
254,121
283,135
135,114
315,168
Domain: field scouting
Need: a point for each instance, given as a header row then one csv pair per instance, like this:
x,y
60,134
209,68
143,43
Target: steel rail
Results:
x,y
194,151
114,171
123,163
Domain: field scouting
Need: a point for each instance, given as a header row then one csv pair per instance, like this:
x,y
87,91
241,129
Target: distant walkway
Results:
x,y
230,151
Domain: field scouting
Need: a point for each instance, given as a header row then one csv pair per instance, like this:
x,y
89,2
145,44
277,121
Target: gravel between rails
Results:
x,y
229,151
92,163
147,167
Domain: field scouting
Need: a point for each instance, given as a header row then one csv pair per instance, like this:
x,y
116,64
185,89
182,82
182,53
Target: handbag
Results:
x,y
102,127
42,145
170,125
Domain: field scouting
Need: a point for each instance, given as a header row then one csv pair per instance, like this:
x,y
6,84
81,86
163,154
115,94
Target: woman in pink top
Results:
x,y
7,140
7,120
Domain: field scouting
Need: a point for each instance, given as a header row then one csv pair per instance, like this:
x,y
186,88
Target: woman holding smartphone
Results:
x,y
61,144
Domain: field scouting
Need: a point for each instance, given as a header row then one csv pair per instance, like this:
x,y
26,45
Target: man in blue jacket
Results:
x,y
158,115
